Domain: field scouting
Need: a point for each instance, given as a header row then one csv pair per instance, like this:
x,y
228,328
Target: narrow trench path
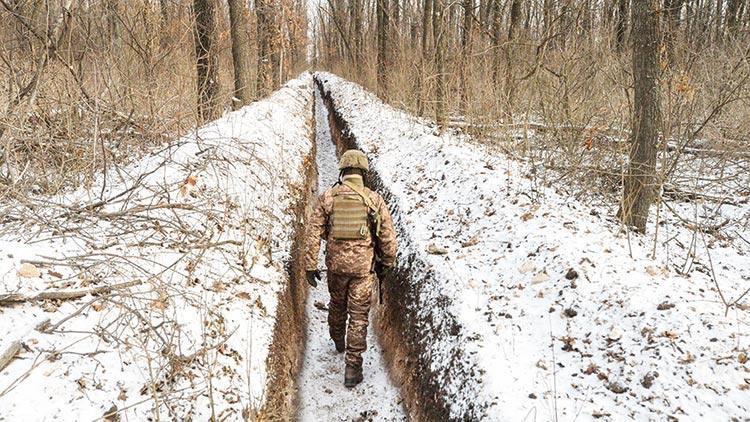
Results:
x,y
322,395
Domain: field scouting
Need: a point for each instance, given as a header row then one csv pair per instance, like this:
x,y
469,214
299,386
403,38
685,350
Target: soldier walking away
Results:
x,y
360,244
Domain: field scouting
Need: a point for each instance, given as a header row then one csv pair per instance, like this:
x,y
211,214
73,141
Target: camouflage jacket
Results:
x,y
349,257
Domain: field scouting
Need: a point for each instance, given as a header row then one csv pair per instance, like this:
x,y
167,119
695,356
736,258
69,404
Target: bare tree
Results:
x,y
468,21
382,52
207,66
440,89
237,24
639,192
268,55
426,16
515,17
621,23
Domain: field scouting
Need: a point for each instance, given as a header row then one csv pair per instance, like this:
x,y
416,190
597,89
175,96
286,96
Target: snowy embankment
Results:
x,y
508,308
165,290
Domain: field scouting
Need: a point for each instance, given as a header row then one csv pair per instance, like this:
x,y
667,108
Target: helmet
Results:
x,y
354,158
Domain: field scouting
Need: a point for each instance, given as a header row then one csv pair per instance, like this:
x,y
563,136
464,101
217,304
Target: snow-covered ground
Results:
x,y
323,396
529,305
202,231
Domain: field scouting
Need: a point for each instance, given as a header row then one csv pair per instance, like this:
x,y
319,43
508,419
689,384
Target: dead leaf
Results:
x,y
244,295
436,250
592,369
672,335
664,306
614,334
687,358
471,242
527,216
540,278
29,271
528,266
123,395
54,274
742,358
158,304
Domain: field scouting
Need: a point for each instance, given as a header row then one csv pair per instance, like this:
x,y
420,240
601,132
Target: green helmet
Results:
x,y
354,158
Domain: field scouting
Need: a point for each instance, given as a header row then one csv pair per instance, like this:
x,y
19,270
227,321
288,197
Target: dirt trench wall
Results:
x,y
288,345
403,333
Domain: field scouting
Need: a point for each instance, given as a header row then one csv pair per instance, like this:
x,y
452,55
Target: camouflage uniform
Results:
x,y
350,268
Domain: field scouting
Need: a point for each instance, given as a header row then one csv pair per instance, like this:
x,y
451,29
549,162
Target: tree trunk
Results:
x,y
113,24
496,22
464,72
237,23
207,66
426,15
639,183
268,57
382,52
672,10
621,24
718,22
515,17
439,35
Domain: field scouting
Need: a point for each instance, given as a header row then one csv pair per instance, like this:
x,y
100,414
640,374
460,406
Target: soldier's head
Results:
x,y
353,161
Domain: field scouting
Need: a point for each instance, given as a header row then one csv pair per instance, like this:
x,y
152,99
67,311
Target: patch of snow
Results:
x,y
205,225
547,309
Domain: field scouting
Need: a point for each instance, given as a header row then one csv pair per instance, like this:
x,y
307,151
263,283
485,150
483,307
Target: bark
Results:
x,y
639,183
237,24
207,66
268,55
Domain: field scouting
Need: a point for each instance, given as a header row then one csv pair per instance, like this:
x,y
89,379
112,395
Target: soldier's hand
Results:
x,y
312,277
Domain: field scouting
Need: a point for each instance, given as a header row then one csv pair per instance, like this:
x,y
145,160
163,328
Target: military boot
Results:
x,y
352,376
340,345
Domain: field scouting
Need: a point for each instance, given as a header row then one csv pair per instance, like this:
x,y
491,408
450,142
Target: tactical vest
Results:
x,y
349,218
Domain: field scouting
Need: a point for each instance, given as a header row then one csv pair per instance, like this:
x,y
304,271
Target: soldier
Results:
x,y
360,241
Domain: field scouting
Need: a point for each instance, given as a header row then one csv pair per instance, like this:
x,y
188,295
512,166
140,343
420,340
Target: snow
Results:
x,y
205,225
506,335
323,396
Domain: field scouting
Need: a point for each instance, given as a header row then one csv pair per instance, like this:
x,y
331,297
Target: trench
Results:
x,y
321,391
404,332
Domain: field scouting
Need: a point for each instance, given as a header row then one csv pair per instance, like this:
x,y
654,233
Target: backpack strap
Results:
x,y
368,201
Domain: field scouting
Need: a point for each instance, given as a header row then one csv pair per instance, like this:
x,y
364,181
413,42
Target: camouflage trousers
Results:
x,y
350,296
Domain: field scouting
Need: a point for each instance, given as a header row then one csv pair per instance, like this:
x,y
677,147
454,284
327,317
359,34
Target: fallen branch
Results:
x,y
65,294
9,354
